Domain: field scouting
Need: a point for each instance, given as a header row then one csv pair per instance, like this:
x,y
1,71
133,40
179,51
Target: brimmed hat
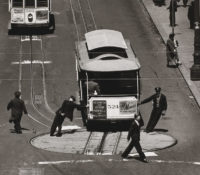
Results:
x,y
72,97
171,35
157,89
17,94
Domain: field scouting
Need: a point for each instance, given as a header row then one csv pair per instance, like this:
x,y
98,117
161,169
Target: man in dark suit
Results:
x,y
17,107
172,11
66,110
159,108
191,15
134,134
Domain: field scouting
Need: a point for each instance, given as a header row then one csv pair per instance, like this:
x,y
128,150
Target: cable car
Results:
x,y
108,78
30,13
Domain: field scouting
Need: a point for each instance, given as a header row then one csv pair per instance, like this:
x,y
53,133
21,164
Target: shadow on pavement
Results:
x,y
161,130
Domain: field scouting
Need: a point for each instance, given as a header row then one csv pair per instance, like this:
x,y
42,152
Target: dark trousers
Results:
x,y
16,122
134,143
172,19
57,122
17,125
154,117
191,24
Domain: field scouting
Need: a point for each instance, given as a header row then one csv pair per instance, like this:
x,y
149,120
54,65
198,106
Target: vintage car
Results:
x,y
108,79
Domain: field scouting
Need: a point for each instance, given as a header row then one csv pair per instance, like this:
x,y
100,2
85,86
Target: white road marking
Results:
x,y
72,127
27,38
113,160
37,121
33,62
175,162
147,154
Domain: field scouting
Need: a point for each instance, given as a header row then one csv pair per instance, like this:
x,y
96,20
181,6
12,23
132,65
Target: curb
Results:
x,y
184,72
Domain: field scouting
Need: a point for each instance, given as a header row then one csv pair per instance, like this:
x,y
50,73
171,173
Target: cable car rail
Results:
x,y
29,40
86,15
99,143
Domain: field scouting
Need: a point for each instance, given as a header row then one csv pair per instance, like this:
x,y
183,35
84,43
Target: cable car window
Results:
x,y
116,82
107,50
30,3
17,3
42,3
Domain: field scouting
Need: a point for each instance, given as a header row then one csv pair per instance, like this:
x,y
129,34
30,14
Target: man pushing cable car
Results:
x,y
66,110
159,108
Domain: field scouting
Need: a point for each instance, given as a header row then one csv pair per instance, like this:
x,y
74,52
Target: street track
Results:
x,y
89,23
28,40
102,143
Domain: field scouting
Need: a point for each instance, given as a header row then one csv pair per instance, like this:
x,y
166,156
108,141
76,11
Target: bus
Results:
x,y
108,79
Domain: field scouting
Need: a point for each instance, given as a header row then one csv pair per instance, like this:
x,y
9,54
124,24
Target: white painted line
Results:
x,y
147,154
196,163
175,162
65,161
27,38
112,160
72,127
106,154
33,62
37,121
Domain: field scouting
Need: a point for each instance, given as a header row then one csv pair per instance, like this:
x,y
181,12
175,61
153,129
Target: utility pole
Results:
x,y
195,69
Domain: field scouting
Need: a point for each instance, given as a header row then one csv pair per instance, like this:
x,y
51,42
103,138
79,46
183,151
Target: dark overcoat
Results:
x,y
68,108
17,107
162,103
134,131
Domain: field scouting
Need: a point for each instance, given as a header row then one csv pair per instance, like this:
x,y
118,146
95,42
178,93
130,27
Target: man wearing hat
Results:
x,y
66,110
17,107
159,108
134,134
171,50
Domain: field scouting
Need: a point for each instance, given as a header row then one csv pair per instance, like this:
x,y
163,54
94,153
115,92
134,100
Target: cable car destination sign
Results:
x,y
112,107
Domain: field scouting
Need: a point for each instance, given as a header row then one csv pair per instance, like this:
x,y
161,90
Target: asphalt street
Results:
x,y
45,86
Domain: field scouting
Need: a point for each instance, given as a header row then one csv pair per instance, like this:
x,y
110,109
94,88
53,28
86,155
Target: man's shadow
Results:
x,y
159,3
172,66
23,129
160,130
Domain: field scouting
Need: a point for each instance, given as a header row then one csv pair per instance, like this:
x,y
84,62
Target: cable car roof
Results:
x,y
105,38
100,64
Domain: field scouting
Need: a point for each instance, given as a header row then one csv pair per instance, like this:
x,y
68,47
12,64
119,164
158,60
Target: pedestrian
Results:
x,y
191,15
134,134
159,108
17,107
172,12
171,50
66,110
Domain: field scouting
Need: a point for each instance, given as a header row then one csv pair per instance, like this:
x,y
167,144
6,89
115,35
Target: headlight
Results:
x,y
42,15
30,17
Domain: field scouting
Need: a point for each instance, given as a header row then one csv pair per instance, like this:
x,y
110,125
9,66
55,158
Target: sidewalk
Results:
x,y
185,36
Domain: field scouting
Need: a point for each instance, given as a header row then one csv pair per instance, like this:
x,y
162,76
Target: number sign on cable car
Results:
x,y
112,107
